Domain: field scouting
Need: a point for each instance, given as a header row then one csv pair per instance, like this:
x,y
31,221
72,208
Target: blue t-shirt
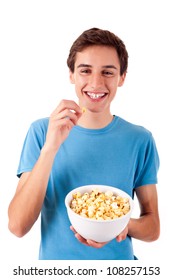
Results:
x,y
121,154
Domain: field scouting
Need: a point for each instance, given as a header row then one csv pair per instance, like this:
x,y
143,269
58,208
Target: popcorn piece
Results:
x,y
100,206
77,195
83,109
109,194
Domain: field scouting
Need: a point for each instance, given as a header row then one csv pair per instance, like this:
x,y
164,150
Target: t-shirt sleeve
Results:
x,y
148,163
32,146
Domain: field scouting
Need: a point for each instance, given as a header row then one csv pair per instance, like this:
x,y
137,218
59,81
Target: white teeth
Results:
x,y
95,95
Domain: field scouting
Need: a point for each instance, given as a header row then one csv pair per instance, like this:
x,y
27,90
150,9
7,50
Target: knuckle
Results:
x,y
63,102
67,122
66,111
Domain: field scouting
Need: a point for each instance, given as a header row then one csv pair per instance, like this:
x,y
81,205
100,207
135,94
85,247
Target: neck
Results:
x,y
95,120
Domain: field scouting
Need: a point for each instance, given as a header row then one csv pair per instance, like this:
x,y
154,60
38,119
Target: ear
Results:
x,y
122,79
71,76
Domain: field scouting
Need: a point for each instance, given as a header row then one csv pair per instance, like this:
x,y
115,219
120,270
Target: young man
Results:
x,y
72,148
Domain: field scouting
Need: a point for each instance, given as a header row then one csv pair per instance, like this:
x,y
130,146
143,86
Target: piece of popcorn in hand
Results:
x,y
83,109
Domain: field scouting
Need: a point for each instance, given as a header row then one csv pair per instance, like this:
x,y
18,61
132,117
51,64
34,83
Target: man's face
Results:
x,y
96,77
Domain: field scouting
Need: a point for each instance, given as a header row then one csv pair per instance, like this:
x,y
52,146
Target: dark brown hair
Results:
x,y
96,36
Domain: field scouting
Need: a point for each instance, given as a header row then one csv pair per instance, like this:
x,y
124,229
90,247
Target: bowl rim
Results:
x,y
94,220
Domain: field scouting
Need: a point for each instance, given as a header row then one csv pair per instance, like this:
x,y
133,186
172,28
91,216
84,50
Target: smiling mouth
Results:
x,y
95,96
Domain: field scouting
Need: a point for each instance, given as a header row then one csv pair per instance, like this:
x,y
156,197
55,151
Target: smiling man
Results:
x,y
73,147
96,77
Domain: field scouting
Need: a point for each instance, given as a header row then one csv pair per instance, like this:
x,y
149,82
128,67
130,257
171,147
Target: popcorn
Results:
x,y
99,205
83,109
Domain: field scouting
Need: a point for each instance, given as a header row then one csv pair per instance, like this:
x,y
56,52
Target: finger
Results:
x,y
63,122
68,104
119,238
81,239
67,114
87,242
122,236
96,244
72,228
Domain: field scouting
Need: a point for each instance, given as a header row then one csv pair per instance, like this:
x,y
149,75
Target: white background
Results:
x,y
35,40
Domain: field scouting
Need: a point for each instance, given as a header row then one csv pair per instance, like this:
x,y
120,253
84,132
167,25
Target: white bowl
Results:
x,y
97,230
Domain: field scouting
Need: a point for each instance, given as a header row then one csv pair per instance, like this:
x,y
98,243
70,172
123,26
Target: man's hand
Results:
x,y
87,242
95,244
122,236
61,121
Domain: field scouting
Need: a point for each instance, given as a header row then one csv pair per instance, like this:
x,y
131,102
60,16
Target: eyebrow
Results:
x,y
84,65
90,66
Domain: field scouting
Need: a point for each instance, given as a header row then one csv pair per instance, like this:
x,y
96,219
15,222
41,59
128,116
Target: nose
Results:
x,y
96,81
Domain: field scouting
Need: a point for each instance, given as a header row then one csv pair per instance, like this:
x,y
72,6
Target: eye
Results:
x,y
107,73
85,71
